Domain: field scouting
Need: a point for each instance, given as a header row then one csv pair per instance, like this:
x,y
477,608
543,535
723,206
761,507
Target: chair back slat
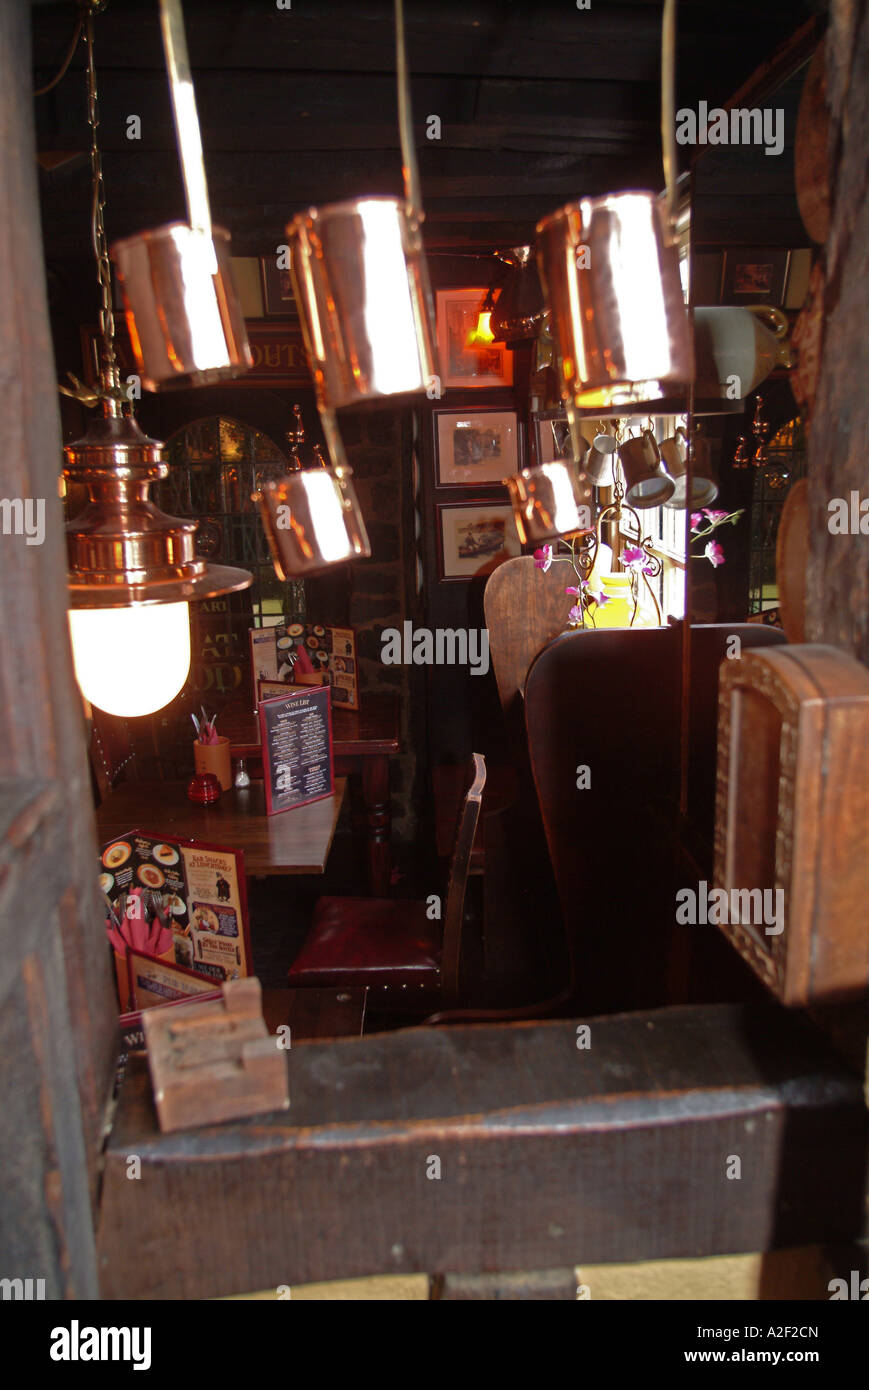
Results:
x,y
454,913
525,608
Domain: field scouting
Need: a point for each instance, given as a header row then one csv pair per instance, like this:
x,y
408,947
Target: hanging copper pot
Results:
x,y
185,321
550,500
519,310
312,520
610,274
361,285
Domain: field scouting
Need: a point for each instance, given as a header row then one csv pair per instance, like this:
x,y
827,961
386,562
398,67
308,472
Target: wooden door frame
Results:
x,y
550,1152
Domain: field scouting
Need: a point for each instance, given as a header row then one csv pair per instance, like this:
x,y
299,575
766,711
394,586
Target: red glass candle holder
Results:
x,y
204,789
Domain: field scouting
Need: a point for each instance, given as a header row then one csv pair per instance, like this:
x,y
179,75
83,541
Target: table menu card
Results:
x,y
296,735
328,651
200,889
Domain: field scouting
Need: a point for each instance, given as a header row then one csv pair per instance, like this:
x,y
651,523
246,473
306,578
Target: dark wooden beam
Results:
x,y
548,1154
58,1021
838,574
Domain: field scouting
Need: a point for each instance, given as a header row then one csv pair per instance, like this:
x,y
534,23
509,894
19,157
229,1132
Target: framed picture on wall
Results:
x,y
551,437
490,364
755,276
476,447
475,537
278,299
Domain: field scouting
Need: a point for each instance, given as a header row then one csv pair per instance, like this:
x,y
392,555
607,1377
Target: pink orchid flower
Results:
x,y
575,614
696,521
714,553
715,516
575,589
635,557
543,558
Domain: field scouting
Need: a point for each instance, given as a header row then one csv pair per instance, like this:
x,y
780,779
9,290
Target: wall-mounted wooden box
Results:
x,y
792,815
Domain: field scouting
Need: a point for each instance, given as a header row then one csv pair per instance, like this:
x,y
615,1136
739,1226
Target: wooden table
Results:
x,y
293,842
363,741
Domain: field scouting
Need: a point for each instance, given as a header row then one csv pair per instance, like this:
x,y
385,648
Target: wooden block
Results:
x,y
792,814
215,1061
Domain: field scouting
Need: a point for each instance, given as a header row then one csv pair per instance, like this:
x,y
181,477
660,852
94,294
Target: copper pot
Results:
x,y
647,483
550,500
610,274
184,317
312,520
362,289
186,324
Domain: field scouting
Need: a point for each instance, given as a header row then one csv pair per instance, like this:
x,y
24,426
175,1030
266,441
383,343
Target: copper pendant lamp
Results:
x,y
132,569
361,285
185,320
610,272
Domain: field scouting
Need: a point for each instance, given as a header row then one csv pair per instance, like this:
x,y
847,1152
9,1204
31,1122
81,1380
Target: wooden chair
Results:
x,y
525,608
608,700
611,700
392,946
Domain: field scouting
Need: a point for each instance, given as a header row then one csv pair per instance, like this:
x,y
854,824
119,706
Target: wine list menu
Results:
x,y
296,733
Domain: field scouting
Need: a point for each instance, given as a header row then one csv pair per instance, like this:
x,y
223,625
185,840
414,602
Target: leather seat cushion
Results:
x,y
369,941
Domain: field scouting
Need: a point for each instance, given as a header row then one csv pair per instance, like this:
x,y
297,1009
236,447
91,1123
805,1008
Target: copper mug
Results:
x,y
647,483
550,500
674,452
599,460
361,285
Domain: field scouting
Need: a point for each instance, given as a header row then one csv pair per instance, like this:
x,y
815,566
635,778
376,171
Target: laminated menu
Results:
x,y
305,654
198,889
296,736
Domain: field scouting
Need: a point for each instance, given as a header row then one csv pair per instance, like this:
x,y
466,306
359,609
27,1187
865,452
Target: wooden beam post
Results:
x,y
57,1029
838,575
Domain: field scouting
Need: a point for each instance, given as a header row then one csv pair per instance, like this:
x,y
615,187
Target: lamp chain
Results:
x,y
98,231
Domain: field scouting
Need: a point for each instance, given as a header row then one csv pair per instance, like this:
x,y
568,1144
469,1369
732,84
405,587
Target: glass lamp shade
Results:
x,y
482,333
131,661
610,274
